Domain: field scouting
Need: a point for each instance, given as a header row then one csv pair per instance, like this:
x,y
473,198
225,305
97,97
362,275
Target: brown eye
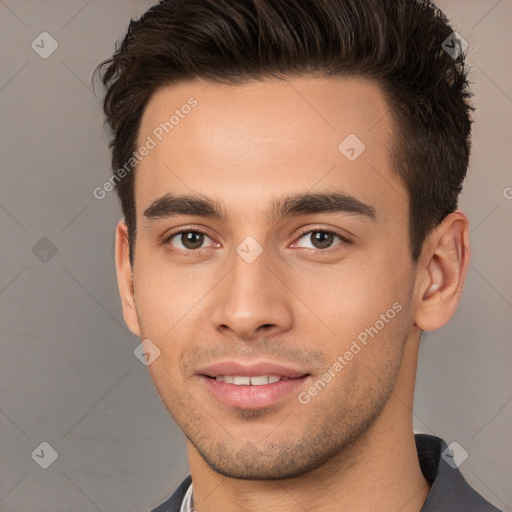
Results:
x,y
321,239
187,240
192,239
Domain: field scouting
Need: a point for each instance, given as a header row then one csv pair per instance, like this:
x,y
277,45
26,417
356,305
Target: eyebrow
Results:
x,y
171,205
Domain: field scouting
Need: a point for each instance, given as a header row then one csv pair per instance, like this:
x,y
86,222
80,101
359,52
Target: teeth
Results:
x,y
259,380
239,381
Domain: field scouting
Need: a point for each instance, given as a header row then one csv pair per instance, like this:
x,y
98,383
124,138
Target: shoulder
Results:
x,y
449,489
173,504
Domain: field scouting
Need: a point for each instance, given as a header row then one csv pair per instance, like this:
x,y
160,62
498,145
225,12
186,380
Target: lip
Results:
x,y
250,370
251,397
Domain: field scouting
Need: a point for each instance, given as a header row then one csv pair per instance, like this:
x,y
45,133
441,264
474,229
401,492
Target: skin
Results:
x,y
353,443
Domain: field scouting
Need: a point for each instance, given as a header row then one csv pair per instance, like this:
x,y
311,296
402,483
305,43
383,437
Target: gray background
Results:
x,y
68,375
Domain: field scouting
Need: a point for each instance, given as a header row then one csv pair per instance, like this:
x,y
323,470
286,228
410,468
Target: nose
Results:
x,y
251,300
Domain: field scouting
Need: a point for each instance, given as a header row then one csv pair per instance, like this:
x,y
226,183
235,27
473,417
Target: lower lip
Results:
x,y
251,397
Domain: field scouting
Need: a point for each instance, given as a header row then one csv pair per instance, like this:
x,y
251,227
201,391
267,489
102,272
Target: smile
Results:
x,y
242,380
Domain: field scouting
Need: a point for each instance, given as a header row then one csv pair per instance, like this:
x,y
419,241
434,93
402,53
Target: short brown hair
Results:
x,y
397,43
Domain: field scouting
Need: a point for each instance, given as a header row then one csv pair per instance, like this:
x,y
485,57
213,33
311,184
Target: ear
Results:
x,y
125,278
441,272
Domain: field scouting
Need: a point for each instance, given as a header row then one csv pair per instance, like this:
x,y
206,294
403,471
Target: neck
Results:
x,y
379,470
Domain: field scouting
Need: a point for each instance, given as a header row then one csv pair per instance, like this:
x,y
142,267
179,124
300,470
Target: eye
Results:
x,y
187,240
322,239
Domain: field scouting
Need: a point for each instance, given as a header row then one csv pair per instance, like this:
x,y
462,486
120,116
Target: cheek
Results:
x,y
182,405
349,297
170,307
166,295
363,362
366,312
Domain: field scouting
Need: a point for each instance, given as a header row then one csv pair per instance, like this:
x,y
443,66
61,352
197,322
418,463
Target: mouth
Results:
x,y
252,387
257,380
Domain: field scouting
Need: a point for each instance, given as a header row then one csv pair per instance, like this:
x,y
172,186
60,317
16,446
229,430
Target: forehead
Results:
x,y
255,141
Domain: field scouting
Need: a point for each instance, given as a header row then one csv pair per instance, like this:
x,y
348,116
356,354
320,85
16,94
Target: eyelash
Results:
x,y
194,252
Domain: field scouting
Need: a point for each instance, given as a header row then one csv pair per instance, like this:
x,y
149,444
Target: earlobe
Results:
x,y
125,278
441,272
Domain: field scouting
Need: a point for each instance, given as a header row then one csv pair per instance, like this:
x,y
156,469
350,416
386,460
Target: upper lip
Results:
x,y
250,370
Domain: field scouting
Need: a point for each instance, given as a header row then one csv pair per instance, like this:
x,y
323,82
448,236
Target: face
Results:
x,y
288,258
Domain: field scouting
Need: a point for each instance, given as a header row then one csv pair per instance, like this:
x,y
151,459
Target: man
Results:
x,y
289,173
